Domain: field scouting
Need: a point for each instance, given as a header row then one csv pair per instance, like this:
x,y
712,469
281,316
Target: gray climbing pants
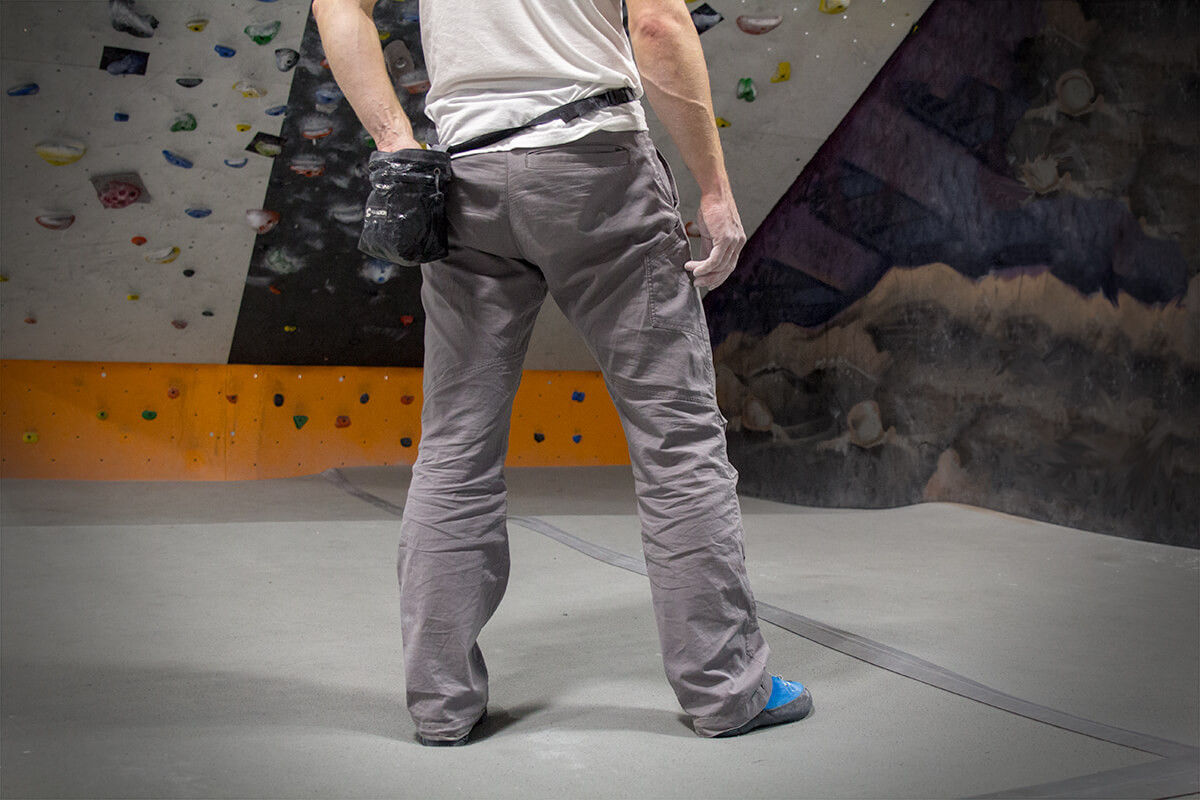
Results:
x,y
596,223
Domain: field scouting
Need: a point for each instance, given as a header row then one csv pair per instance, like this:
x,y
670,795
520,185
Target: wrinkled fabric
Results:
x,y
405,218
594,223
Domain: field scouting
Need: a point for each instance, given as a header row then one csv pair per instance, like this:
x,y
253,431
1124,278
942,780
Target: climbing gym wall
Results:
x,y
182,186
983,287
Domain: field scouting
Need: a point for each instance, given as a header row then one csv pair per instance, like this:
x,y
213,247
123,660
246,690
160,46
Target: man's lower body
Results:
x,y
596,224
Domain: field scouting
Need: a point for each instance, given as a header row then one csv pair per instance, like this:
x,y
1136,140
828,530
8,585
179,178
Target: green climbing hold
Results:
x,y
102,415
264,32
300,421
149,415
184,122
746,90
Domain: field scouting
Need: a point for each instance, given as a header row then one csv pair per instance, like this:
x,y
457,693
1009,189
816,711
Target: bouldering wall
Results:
x,y
983,287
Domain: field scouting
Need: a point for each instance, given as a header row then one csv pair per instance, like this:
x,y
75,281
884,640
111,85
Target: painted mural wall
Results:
x,y
983,287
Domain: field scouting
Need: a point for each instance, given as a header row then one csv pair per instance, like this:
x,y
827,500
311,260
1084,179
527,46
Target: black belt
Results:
x,y
567,113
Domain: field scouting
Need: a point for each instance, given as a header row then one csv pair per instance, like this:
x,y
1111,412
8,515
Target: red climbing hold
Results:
x,y
173,393
342,422
406,399
180,324
231,398
119,194
138,240
406,320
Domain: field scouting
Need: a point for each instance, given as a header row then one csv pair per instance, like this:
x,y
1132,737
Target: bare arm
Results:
x,y
675,77
351,44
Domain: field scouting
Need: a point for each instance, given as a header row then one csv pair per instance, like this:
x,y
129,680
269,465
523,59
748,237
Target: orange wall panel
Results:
x,y
85,420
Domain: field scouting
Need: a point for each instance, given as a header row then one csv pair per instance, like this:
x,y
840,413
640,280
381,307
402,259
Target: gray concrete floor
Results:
x,y
242,640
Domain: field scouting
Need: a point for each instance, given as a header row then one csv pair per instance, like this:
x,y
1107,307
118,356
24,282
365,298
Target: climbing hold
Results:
x,y
406,442
138,240
187,273
198,24
56,222
231,398
126,20
406,319
262,220
286,58
61,153
208,313
101,415
279,262
189,83
149,415
133,297
328,94
120,117
173,393
184,122
31,320
705,16
290,329
746,90
783,72
276,111
119,61
722,122
266,145
300,421
30,438
342,422
198,213
118,194
163,256
406,399
275,290
236,164
249,90
3,279
577,438
758,25
309,166
176,159
539,437
577,396
692,230
225,52
263,32
24,90
833,6
179,324
347,213
242,127
366,398
316,127
278,400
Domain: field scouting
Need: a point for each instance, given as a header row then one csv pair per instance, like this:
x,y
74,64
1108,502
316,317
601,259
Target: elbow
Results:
x,y
659,29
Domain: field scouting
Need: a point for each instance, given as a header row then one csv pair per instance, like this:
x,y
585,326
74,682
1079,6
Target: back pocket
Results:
x,y
674,301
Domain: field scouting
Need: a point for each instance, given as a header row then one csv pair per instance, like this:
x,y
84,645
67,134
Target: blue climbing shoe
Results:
x,y
790,701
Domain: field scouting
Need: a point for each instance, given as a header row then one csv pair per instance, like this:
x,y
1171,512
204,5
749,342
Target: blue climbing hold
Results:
x,y
225,52
406,442
366,398
24,90
120,117
198,213
577,438
276,111
278,400
539,437
236,164
328,94
176,159
577,397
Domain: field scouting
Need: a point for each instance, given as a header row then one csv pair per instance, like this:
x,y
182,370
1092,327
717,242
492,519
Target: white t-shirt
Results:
x,y
497,64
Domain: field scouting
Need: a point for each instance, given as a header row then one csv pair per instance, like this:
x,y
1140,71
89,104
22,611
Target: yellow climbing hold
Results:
x,y
30,438
243,127
61,153
197,25
3,279
783,72
133,297
833,6
722,122
163,256
290,328
385,35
